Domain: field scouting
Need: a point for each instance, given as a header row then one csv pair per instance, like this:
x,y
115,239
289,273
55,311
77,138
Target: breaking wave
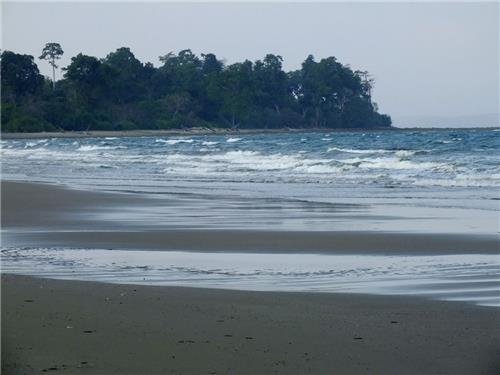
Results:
x,y
405,159
174,141
98,148
354,151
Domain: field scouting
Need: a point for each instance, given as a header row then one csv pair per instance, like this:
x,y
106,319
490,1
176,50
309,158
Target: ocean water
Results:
x,y
374,162
442,181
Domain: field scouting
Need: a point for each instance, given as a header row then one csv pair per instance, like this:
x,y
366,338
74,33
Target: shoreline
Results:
x,y
175,132
94,327
50,325
209,131
73,227
56,216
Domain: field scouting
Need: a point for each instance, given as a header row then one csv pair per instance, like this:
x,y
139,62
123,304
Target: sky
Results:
x,y
429,60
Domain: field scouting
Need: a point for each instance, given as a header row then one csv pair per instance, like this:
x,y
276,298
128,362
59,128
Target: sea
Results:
x,y
417,181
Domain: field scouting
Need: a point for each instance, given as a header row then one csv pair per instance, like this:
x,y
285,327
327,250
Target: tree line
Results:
x,y
119,92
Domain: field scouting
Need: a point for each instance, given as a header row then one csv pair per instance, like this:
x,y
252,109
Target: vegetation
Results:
x,y
119,92
51,53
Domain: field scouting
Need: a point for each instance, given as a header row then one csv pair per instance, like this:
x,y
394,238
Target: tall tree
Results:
x,y
52,52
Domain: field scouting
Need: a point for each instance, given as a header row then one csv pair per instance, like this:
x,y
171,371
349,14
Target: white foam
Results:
x,y
392,163
404,153
357,151
202,158
174,141
99,148
232,140
209,143
30,144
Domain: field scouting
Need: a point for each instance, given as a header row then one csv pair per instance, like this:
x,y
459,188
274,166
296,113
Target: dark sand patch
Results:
x,y
83,327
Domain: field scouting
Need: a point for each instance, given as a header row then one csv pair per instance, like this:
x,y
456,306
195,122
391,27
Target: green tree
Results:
x,y
210,64
210,97
20,76
184,71
270,83
85,75
123,76
237,93
52,52
186,90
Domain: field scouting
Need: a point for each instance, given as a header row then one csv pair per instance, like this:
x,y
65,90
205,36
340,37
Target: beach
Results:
x,y
88,328
73,218
251,254
249,189
101,328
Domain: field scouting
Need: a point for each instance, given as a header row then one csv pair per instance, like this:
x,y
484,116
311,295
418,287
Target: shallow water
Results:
x,y
473,278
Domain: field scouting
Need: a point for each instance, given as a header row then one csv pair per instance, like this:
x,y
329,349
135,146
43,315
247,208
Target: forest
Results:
x,y
184,91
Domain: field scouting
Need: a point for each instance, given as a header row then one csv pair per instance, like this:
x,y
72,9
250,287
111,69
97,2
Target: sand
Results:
x,y
51,215
81,327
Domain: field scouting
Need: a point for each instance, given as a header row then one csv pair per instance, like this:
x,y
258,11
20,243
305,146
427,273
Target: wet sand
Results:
x,y
53,216
82,327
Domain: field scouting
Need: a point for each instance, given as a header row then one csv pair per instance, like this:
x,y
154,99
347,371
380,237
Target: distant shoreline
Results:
x,y
207,131
176,132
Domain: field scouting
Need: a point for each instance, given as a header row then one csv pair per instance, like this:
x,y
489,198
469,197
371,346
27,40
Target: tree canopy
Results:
x,y
52,52
119,92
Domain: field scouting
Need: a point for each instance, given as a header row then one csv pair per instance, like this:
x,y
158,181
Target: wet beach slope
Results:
x,y
87,327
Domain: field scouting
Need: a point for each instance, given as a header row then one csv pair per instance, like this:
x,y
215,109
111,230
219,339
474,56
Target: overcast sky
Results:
x,y
432,59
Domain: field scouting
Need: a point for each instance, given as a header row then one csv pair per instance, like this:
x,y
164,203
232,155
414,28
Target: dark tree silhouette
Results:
x,y
119,92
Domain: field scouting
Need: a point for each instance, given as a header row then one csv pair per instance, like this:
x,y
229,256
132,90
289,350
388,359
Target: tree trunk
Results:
x,y
53,76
